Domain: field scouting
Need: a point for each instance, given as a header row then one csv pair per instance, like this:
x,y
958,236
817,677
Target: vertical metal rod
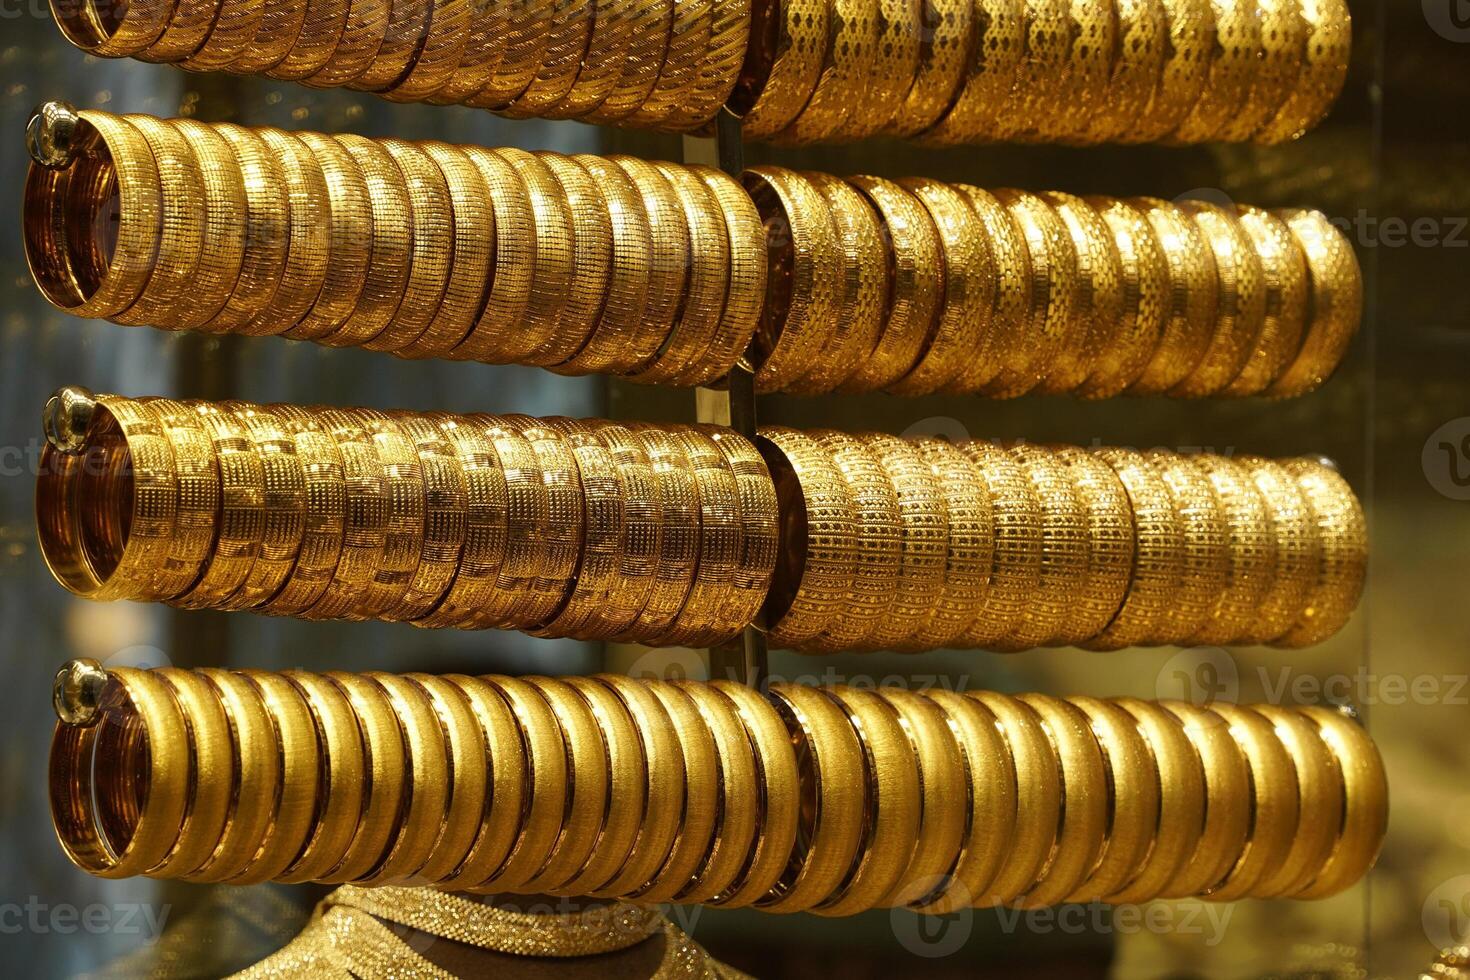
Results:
x,y
745,658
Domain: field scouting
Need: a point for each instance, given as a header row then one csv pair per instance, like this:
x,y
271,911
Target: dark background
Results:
x,y
1395,151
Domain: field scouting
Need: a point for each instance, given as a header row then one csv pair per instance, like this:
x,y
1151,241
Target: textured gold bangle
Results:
x,y
736,825
1041,74
947,33
915,285
1098,298
1144,302
392,245
1005,345
225,208
668,228
1133,794
544,805
469,776
1038,800
1159,556
242,512
198,500
348,240
403,527
1322,798
1205,543
1229,73
846,59
588,783
639,68
1111,537
92,29
1344,541
404,28
1273,801
641,532
1194,296
967,292
527,512
1240,312
893,806
925,522
993,59
701,797
689,36
432,235
803,27
941,766
283,511
441,46
1298,551
264,225
1064,552
325,495
308,242
343,762
628,786
1188,50
235,26
1142,42
613,22
494,337
1365,822
1252,552
1276,68
299,757
542,336
509,786
365,516
1017,552
1093,35
698,623
486,38
760,532
1335,302
970,552
445,516
1227,802
718,69
592,252
828,754
678,539
562,535
322,28
1323,71
1284,281
212,772
280,27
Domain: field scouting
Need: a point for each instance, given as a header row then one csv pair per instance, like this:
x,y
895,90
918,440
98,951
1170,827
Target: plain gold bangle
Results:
x,y
1133,794
386,761
588,781
1227,802
1365,788
213,773
627,782
1321,797
343,767
1274,805
701,797
941,767
508,786
1038,800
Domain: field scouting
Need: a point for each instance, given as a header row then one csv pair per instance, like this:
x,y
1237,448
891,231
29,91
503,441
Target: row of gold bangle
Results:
x,y
832,800
578,264
1091,71
914,545
646,63
918,286
563,528
669,274
945,71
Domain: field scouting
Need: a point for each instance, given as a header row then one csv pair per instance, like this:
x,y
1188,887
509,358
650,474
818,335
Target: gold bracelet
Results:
x,y
544,804
309,248
343,764
1098,299
641,532
925,524
283,514
1017,552
689,36
796,67
592,251
1229,73
1227,802
1252,552
640,66
241,522
1285,281
845,61
299,758
1188,50
1205,545
386,757
970,552
1038,800
1323,71
947,33
493,338
541,336
1240,311
509,789
1323,803
721,542
391,248
702,799
1144,305
446,514
1111,540
84,25
431,235
1142,42
1298,551
213,773
562,534
1006,345
941,767
1276,68
1360,835
678,539
1335,300
1065,551
1193,291
225,208
1133,793
1273,801
628,782
441,48
404,511
198,501
527,508
403,26
588,782
349,241
735,825
265,224
322,28
992,61
1158,560
1344,541
760,530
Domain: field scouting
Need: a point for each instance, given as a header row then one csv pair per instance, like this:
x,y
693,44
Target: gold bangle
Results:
x,y
280,27
258,780
735,823
543,336
967,293
1344,542
562,535
671,242
628,786
1274,806
970,549
91,818
678,540
941,767
325,494
893,809
1229,72
1158,555
760,533
990,814
846,59
494,336
308,240
699,623
665,770
915,263
365,516
441,46
641,535
1053,291
1006,343
1276,68
718,69
639,69
1365,821
242,509
528,505
689,36
543,812
1111,536
612,28
1095,39
446,515
1040,77
1240,313
1323,71
1143,303
1082,833
198,498
1251,553
992,61
89,26
527,33
322,27
1065,548
404,26
487,35
1227,797
469,780
796,66
297,753
1322,798
386,757
779,798
829,755
1285,283
588,782
1038,800
592,251
804,261
1133,795
403,526
212,773
1017,552
947,32
283,511
1335,302
507,794
221,264
1098,300
1205,544
265,226
701,797
1194,296
235,26
1298,551
1188,50
343,767
432,237
1180,821
348,240
819,537
925,523
1142,42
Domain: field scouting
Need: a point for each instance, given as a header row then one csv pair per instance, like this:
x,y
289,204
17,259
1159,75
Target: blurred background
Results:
x,y
1391,165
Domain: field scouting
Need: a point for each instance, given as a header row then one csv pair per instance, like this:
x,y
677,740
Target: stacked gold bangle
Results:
x,y
922,544
799,71
832,800
663,274
564,528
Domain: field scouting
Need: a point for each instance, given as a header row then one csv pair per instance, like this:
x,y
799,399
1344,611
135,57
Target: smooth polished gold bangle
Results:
x,y
992,60
225,207
560,538
493,338
588,784
1138,66
385,760
702,800
1344,541
1082,833
1144,300
760,532
678,536
1251,565
469,779
665,768
1111,540
403,527
1133,797
542,335
1322,74
1053,286
1285,283
343,766
1321,797
1227,796
1194,296
283,510
509,788
698,623
830,758
390,259
446,512
298,755
1038,800
1274,805
1179,825
93,817
1016,519
544,809
431,235
212,766
265,227
1240,311
779,799
242,512
1365,786
628,786
846,59
258,780
1006,343
1158,555
348,238
308,240
990,813
1298,551
803,27
1335,302
893,808
1098,298
1205,542
970,549
528,508
941,767
198,500
1065,551
967,291
946,35
735,821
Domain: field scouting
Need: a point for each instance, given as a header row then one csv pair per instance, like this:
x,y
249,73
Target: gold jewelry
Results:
x,y
500,823
1285,282
198,500
544,806
1227,802
588,782
297,749
1323,71
1158,555
1017,552
735,826
796,66
1240,311
1205,543
1298,551
445,516
702,800
404,511
970,554
1343,536
493,338
385,757
1274,804
1065,552
1319,788
1335,301
1144,303
541,336
941,766
225,213
1252,552
561,537
845,60
1098,301
349,239
627,781
1365,786
1133,792
946,35
343,764
1110,536
265,224
678,536
308,243
283,514
1194,297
